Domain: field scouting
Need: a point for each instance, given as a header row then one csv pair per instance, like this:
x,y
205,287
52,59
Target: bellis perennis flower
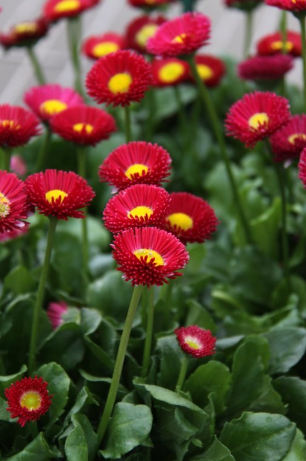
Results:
x,y
97,46
296,6
273,44
289,141
140,30
17,126
196,341
14,207
58,9
149,3
55,313
169,71
265,67
210,69
25,33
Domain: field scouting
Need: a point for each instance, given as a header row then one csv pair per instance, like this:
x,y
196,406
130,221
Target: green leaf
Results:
x,y
217,452
19,281
298,449
198,315
259,436
38,450
293,392
4,414
102,357
90,435
265,229
84,398
129,427
170,361
76,446
90,320
9,379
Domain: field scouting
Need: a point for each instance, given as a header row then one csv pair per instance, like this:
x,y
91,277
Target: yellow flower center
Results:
x,y
55,194
78,127
181,220
120,83
296,136
179,38
52,106
104,48
145,33
192,342
25,28
143,252
30,400
278,46
204,71
136,168
140,212
10,124
67,5
258,120
4,206
150,2
171,72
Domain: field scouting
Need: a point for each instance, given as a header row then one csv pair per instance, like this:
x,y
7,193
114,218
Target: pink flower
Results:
x,y
55,313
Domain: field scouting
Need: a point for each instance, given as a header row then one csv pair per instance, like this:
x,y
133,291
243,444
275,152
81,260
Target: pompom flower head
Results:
x,y
149,256
289,141
59,193
28,399
210,69
256,116
169,71
190,218
83,125
273,44
138,206
14,206
17,126
119,78
97,46
58,9
302,167
137,162
196,341
25,33
55,313
260,68
140,30
180,36
295,6
48,100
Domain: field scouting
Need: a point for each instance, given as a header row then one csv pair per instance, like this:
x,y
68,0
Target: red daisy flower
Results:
x,y
265,67
97,46
140,30
28,399
196,341
14,234
83,125
190,218
55,313
149,3
14,207
18,165
59,193
148,256
180,36
169,71
138,206
246,5
210,69
119,78
58,9
256,116
273,44
17,126
296,6
48,100
302,167
134,163
25,33
289,141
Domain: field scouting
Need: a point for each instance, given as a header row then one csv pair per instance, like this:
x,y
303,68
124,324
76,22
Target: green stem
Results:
x,y
36,66
220,138
182,375
112,393
40,294
74,38
149,333
181,111
128,131
7,158
82,172
283,27
248,33
303,32
44,147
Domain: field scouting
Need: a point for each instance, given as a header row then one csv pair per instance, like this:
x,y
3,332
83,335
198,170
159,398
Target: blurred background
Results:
x,y
16,75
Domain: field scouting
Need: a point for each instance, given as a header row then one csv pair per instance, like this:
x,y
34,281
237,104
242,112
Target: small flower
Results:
x,y
14,207
137,162
180,36
119,78
265,67
17,126
55,313
246,5
289,141
273,44
196,341
59,193
97,46
138,206
28,399
140,30
210,69
295,6
149,3
256,116
169,71
83,125
148,256
190,218
24,33
13,234
18,165
302,167
48,100
58,9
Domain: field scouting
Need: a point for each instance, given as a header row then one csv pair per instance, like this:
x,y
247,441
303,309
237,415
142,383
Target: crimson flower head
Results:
x,y
17,126
149,3
55,313
210,69
83,125
137,162
28,399
138,206
57,9
289,141
119,78
148,255
14,207
261,68
59,193
190,218
13,234
180,36
97,46
273,44
302,167
256,116
48,100
25,33
140,30
169,71
295,6
246,5
196,341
